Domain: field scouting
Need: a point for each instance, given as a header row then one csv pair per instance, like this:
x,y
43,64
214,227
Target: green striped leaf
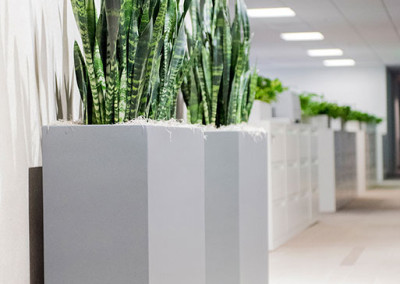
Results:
x,y
134,58
139,69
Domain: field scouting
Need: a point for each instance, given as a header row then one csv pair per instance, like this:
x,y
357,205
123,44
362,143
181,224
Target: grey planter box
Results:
x,y
123,204
236,208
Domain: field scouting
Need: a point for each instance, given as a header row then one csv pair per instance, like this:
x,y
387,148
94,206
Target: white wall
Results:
x,y
27,92
363,88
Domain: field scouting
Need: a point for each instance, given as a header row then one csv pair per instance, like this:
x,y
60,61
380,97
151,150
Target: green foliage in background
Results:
x,y
314,104
133,58
219,89
268,90
364,117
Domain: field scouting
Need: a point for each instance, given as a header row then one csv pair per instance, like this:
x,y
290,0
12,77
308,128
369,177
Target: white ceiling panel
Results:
x,y
367,30
393,9
263,3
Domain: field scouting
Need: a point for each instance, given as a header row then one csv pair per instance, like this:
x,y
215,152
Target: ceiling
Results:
x,y
368,31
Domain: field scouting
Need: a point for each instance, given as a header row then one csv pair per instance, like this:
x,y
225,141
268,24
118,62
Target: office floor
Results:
x,y
358,245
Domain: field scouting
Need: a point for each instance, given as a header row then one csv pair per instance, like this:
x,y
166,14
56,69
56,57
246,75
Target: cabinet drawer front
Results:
x,y
299,212
279,220
314,176
278,182
277,147
293,184
304,146
292,147
305,176
314,147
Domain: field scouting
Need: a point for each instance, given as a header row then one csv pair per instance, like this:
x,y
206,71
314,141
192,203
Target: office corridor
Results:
x,y
358,245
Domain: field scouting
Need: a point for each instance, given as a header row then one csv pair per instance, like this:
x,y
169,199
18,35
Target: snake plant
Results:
x,y
219,89
133,59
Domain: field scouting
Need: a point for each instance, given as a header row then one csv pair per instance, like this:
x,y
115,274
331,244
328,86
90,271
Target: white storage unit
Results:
x,y
367,156
293,180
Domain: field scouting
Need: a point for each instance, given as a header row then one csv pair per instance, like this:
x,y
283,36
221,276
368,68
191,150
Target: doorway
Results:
x,y
392,143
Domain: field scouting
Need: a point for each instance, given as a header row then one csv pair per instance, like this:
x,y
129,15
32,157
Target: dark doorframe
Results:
x,y
393,123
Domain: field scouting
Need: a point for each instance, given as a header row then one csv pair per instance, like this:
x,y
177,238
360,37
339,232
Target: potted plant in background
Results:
x,y
125,203
219,91
318,112
344,113
267,92
314,112
364,120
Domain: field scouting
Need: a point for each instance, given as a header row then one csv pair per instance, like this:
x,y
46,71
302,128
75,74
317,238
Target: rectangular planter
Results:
x,y
337,124
124,204
236,208
353,126
320,121
288,106
261,111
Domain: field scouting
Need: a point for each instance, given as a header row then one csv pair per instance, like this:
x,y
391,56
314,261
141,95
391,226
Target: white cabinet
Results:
x,y
293,179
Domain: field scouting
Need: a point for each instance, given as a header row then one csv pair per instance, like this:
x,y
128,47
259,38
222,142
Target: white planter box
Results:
x,y
261,111
124,204
337,124
288,106
320,121
236,208
353,126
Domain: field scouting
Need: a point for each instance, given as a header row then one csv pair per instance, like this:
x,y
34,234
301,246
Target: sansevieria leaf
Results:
x,y
134,58
220,79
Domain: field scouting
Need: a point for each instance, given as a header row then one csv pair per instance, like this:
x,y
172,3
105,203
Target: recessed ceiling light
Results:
x,y
302,36
339,62
325,52
271,12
